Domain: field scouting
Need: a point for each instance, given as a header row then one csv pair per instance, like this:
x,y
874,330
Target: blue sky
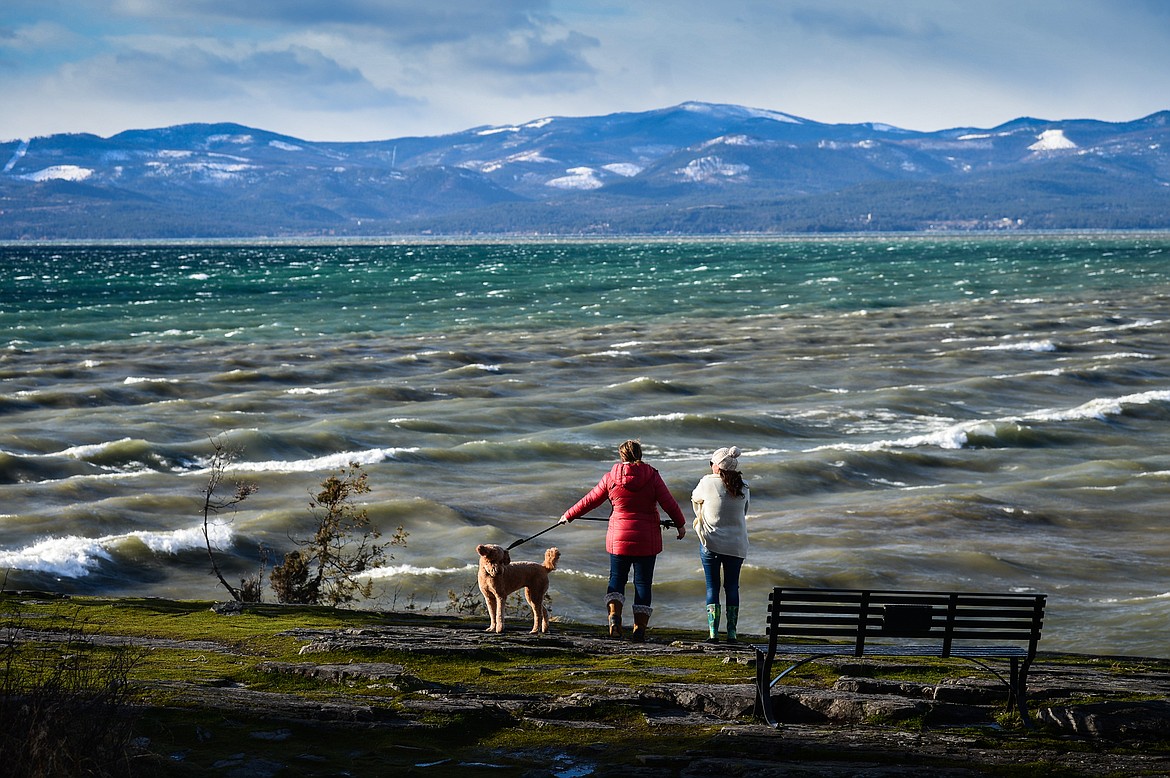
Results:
x,y
375,69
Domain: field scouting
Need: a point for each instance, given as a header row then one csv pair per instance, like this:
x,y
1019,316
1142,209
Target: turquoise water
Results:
x,y
981,413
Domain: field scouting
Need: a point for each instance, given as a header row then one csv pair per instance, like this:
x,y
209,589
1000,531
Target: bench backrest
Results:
x,y
861,614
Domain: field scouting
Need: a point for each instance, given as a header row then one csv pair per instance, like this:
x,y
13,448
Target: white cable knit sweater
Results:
x,y
720,519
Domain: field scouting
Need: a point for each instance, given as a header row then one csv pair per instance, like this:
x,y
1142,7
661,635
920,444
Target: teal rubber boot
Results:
x,y
713,623
732,623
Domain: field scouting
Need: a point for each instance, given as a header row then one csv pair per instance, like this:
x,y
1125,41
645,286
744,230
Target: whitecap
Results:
x,y
1102,407
1030,345
391,571
327,462
1140,324
569,571
1128,355
72,556
87,451
642,379
1135,600
219,532
132,380
660,417
1030,374
954,437
311,390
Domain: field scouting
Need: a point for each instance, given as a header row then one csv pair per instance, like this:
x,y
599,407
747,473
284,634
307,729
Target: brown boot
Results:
x,y
641,619
615,618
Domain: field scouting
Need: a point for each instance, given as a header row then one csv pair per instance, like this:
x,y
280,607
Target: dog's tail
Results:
x,y
550,558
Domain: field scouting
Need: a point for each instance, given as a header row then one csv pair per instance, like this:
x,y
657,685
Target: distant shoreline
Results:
x,y
523,238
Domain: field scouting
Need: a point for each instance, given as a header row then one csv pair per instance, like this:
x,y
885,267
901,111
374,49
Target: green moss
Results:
x,y
184,643
618,744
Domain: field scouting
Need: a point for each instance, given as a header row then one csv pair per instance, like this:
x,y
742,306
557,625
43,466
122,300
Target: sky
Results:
x,y
351,70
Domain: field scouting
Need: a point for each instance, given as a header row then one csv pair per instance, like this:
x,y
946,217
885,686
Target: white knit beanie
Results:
x,y
726,458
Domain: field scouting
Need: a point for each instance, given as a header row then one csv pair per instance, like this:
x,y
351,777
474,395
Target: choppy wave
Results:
x,y
1008,431
650,385
407,571
323,463
995,418
396,571
126,456
1031,345
72,556
1104,407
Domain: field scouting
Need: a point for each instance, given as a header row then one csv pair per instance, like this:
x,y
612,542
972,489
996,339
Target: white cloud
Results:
x,y
366,69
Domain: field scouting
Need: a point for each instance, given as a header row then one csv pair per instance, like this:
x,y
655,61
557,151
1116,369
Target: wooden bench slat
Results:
x,y
901,596
902,623
883,649
959,631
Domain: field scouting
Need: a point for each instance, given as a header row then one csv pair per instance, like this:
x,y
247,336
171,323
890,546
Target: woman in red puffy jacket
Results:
x,y
634,538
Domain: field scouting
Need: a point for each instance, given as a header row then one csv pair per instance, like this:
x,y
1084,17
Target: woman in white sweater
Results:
x,y
720,501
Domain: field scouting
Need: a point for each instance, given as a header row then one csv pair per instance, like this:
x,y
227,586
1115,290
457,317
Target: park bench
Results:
x,y
978,627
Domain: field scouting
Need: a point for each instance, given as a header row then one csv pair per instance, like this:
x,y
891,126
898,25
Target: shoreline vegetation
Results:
x,y
145,686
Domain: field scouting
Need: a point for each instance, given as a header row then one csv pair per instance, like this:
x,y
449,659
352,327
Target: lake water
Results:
x,y
979,413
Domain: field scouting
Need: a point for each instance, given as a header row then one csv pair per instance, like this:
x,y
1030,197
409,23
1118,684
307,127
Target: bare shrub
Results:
x,y
214,504
327,568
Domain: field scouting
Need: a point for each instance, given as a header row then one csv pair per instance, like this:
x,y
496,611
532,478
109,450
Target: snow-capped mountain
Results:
x,y
692,168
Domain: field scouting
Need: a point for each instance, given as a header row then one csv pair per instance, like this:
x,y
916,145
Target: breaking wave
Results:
x,y
72,556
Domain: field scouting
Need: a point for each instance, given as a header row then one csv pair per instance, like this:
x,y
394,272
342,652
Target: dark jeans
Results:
x,y
712,564
619,573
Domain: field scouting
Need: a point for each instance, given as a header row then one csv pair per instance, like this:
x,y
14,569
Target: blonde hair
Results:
x,y
630,451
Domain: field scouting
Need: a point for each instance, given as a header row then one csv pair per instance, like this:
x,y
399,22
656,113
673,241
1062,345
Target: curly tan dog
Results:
x,y
499,576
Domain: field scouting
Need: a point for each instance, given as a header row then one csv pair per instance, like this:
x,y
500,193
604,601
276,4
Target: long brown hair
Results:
x,y
732,482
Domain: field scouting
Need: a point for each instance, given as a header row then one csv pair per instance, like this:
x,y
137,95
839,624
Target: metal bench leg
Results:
x,y
763,706
1020,689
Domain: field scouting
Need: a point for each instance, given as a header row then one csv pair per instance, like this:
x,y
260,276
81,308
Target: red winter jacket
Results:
x,y
635,490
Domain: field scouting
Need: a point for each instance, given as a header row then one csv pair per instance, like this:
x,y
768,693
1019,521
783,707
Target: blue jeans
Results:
x,y
619,573
712,565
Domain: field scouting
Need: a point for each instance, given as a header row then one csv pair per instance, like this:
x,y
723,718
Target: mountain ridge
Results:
x,y
690,169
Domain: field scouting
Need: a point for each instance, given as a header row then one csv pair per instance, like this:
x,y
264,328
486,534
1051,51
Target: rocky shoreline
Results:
x,y
1118,722
1095,716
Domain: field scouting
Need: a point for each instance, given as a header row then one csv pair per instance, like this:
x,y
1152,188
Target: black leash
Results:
x,y
538,534
666,524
